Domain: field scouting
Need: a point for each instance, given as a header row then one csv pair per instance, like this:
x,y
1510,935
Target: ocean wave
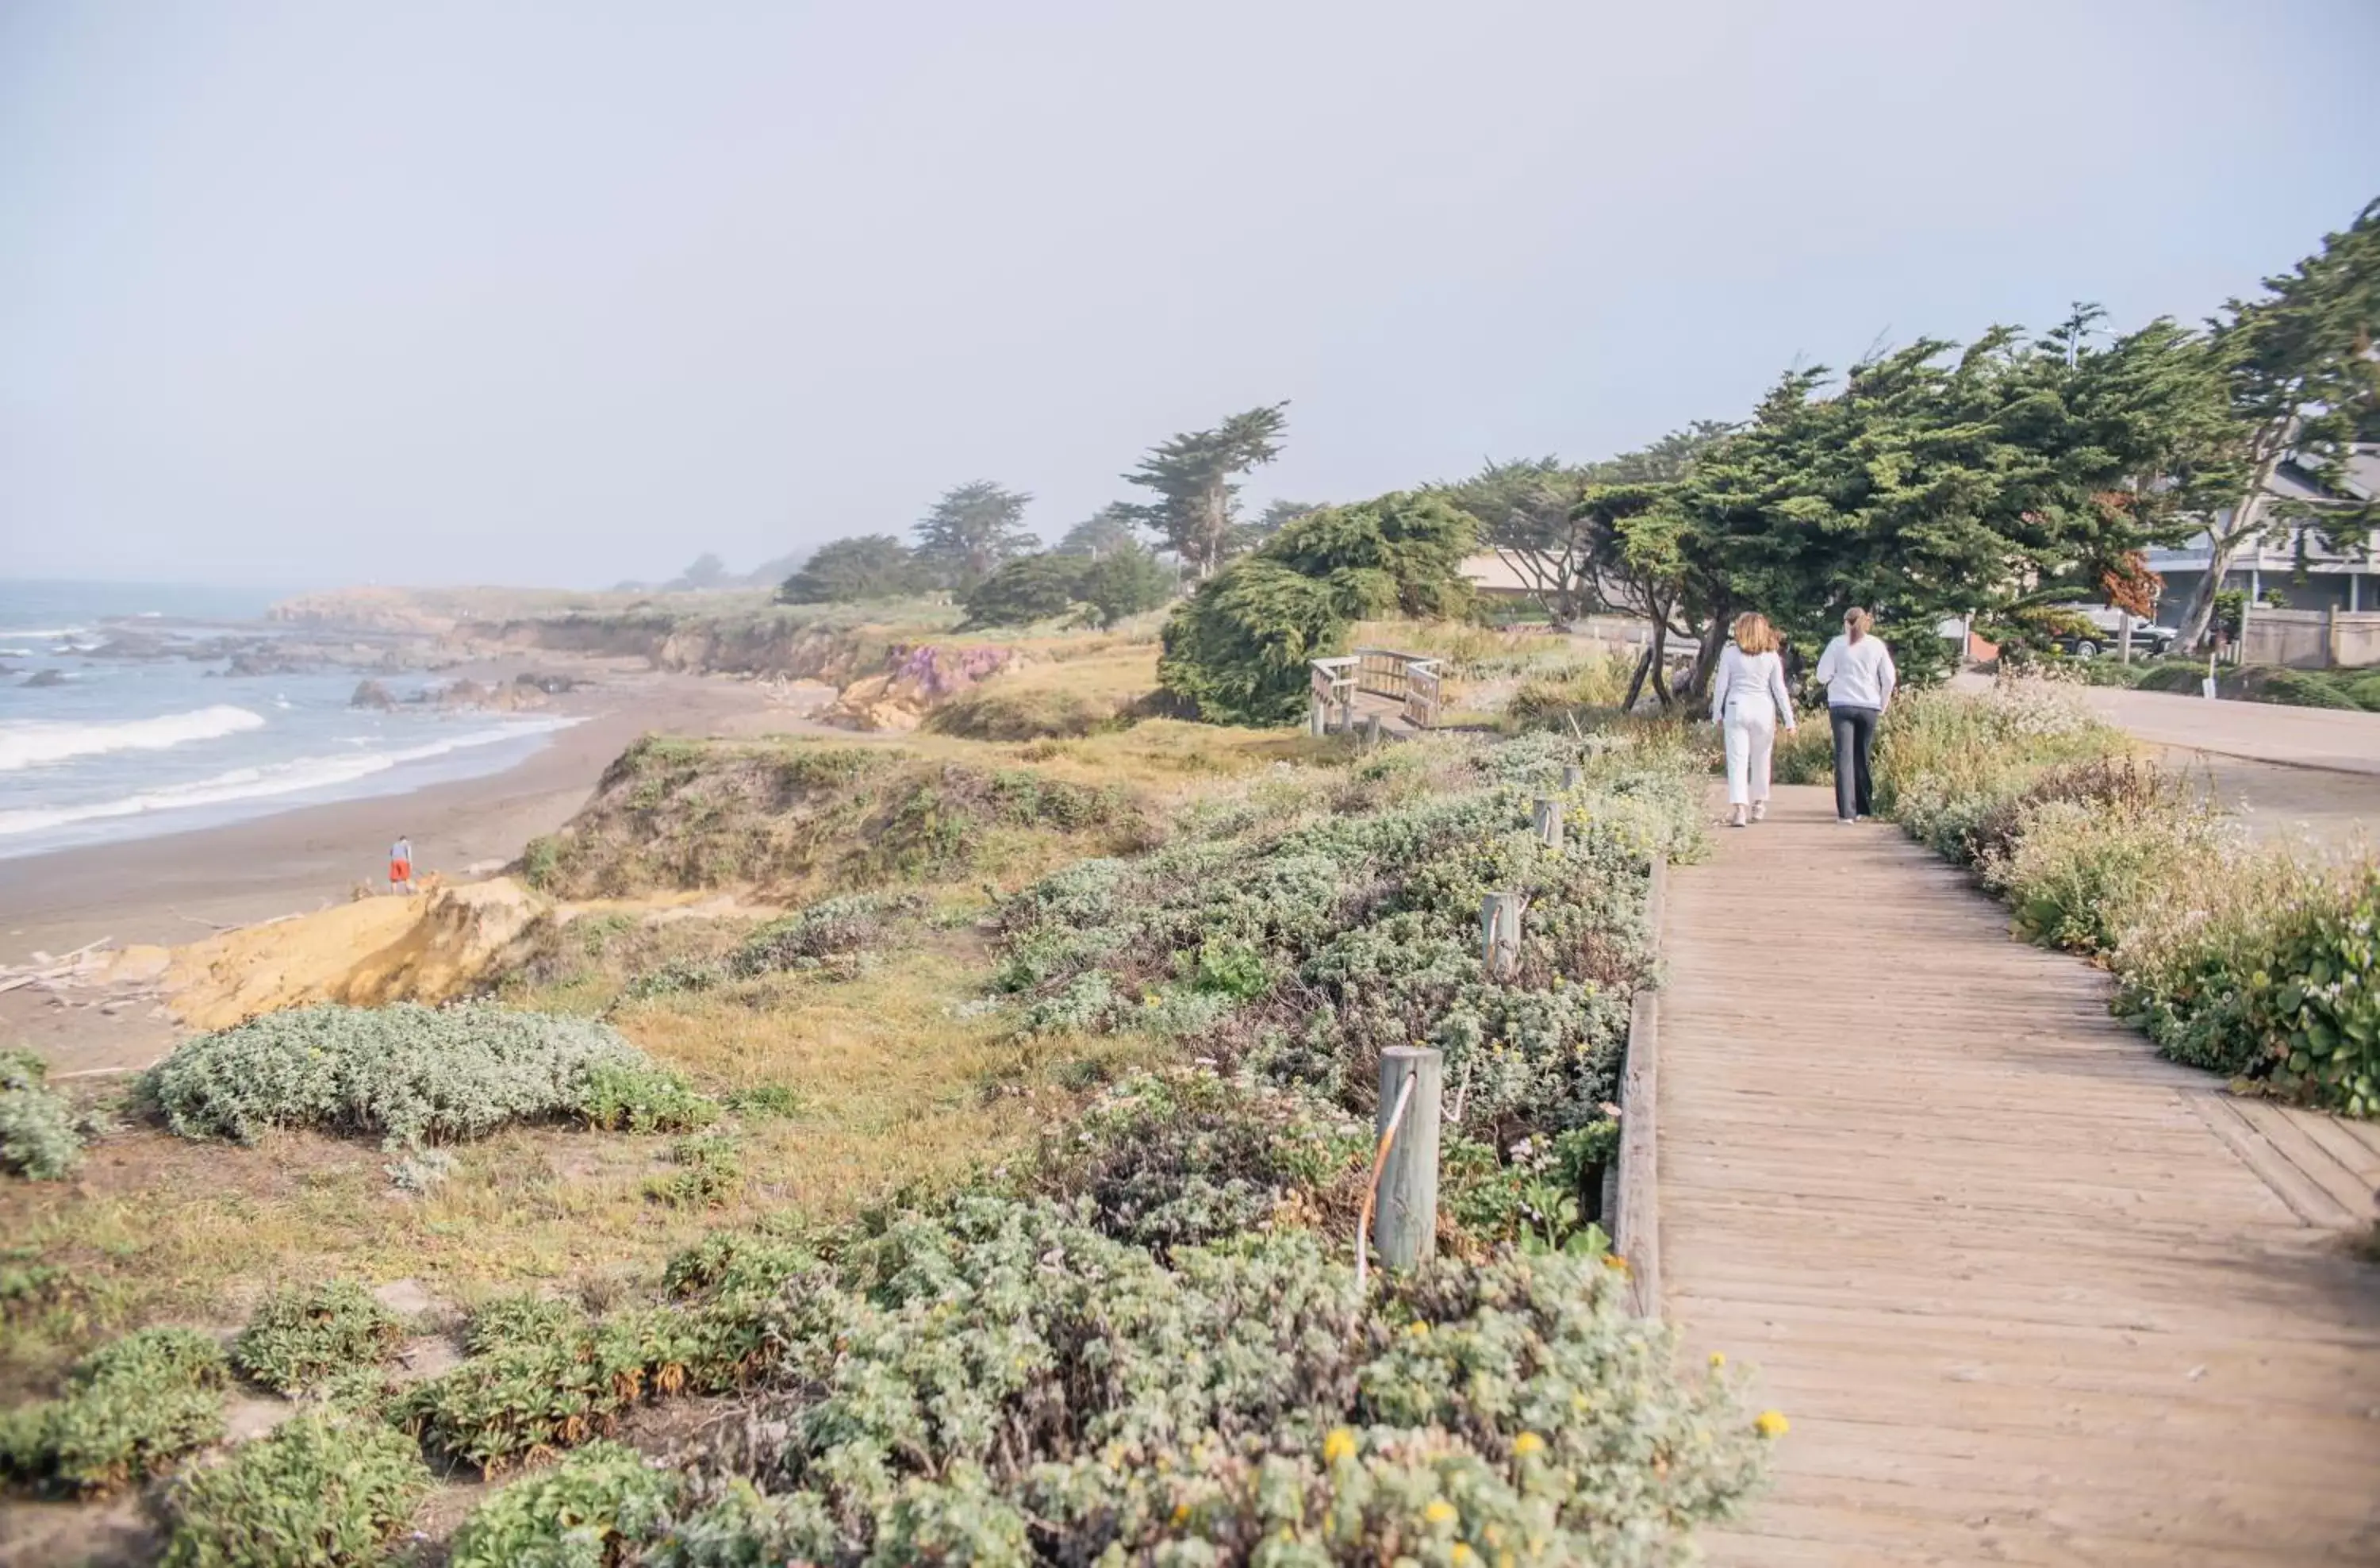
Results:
x,y
30,741
304,773
43,631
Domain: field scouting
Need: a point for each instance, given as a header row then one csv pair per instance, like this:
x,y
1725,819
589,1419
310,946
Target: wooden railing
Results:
x,y
1410,679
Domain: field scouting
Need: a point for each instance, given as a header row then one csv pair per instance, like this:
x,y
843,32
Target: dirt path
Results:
x,y
2019,1300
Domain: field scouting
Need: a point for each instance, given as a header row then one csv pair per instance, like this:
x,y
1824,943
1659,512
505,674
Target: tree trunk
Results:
x,y
1707,658
2273,445
1636,681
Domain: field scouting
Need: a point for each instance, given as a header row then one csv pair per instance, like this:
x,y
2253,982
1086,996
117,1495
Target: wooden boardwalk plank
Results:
x,y
2031,1294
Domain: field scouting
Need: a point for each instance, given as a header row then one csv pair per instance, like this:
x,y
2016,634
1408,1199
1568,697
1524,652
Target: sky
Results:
x,y
569,292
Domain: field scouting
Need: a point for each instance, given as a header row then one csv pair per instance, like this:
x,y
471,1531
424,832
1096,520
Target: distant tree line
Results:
x,y
972,541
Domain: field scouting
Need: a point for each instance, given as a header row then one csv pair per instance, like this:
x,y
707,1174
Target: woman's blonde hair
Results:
x,y
1754,634
1857,623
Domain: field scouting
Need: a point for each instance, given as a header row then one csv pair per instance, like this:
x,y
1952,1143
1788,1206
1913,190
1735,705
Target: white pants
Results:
x,y
1750,726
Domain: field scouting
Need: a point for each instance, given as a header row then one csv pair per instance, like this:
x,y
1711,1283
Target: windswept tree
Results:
x,y
971,532
1935,482
1527,514
1277,515
2305,382
1112,527
852,571
1193,474
1532,512
1236,650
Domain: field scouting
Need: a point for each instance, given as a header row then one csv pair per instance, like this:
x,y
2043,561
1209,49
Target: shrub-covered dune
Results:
x,y
786,816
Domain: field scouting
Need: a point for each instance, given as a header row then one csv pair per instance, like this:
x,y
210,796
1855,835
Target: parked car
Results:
x,y
2149,640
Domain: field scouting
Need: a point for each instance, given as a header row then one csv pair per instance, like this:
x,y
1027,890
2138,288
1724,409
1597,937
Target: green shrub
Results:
x,y
710,1171
2281,979
835,927
540,860
1185,1158
1298,949
576,1516
1546,1196
2076,872
1031,588
318,1492
544,1374
302,1335
763,1099
2296,688
2252,962
1002,1383
39,1136
1124,582
130,1408
413,1074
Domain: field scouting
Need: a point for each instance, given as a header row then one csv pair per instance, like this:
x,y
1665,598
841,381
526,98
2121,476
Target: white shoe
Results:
x,y
1848,821
1759,810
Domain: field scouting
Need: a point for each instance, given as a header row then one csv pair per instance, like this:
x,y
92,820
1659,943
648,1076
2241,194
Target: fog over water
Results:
x,y
450,292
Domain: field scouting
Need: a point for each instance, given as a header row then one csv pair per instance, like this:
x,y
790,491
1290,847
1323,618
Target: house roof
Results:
x,y
2357,479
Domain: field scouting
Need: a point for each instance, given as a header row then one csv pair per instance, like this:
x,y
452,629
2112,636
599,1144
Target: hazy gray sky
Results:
x,y
571,292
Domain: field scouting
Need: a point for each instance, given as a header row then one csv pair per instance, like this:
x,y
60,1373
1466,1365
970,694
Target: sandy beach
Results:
x,y
179,887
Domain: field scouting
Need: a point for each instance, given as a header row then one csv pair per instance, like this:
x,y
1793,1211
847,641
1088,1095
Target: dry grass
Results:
x,y
895,1088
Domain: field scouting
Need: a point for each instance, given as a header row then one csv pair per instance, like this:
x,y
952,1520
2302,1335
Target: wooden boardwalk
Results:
x,y
2019,1300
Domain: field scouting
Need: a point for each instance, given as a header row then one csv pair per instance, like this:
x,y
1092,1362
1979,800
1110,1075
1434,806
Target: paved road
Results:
x,y
2288,771
2264,732
2020,1298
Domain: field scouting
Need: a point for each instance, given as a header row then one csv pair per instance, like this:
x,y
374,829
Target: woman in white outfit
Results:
x,y
1748,701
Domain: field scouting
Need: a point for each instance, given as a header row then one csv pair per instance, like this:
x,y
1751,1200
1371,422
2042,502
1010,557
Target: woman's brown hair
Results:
x,y
1754,634
1857,623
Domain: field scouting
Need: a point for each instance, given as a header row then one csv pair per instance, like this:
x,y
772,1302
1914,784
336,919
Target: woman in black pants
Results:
x,y
1857,672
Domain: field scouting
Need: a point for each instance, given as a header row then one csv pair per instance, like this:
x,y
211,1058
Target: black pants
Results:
x,y
1854,735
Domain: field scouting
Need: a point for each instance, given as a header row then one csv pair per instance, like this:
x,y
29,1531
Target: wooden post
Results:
x,y
1549,821
1499,933
1318,718
1573,776
1371,731
1404,1223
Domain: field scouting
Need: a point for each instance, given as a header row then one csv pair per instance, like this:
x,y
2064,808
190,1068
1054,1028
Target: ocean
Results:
x,y
113,746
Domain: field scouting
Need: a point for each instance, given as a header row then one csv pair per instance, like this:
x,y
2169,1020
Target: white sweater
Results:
x,y
1858,674
1751,679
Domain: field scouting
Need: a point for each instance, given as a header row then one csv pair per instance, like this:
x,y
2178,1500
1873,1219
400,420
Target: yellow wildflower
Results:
x,y
1417,1328
1439,1511
1613,1261
1719,1358
1772,1424
1528,1442
1462,1554
1339,1445
1181,1512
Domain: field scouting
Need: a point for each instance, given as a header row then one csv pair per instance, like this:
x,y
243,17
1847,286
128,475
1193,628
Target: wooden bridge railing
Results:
x,y
1412,679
